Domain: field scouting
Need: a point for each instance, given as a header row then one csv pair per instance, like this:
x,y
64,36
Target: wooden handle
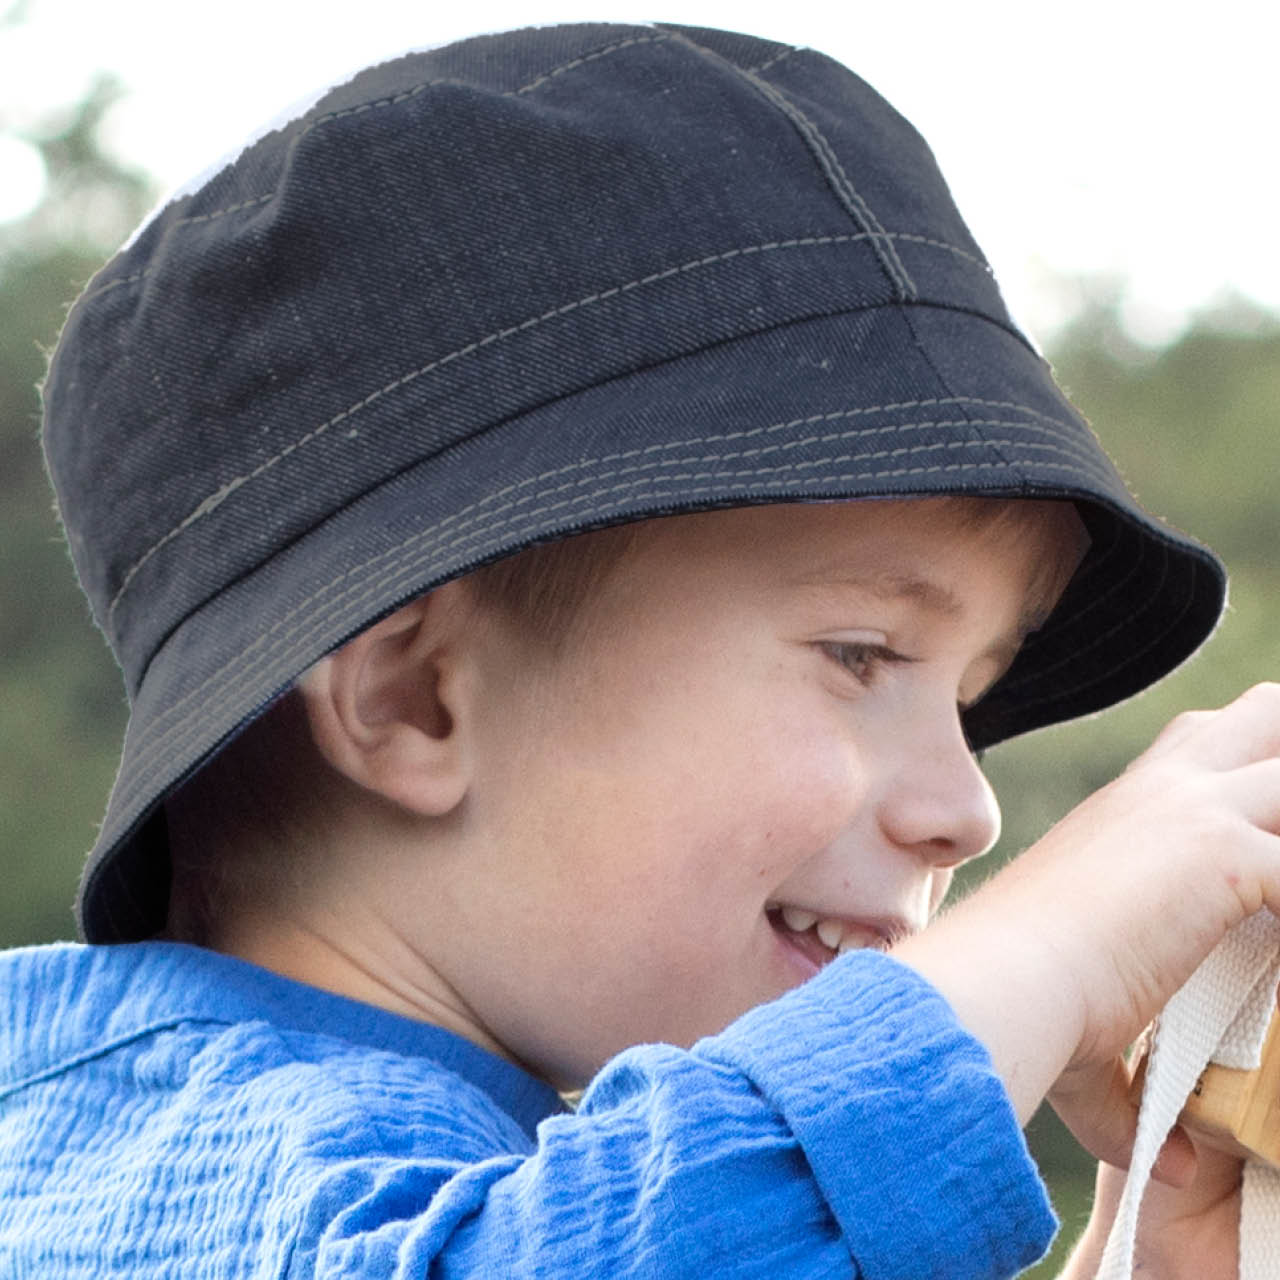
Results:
x,y
1236,1110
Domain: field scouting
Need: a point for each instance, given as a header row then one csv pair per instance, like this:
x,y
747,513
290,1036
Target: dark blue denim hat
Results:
x,y
523,286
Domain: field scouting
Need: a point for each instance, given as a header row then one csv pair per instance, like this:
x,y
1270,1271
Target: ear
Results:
x,y
391,709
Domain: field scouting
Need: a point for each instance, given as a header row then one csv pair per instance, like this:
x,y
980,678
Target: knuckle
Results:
x,y
1265,695
1189,721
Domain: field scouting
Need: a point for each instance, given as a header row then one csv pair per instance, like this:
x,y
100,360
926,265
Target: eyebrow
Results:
x,y
932,595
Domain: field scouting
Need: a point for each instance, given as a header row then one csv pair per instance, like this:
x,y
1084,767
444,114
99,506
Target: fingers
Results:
x,y
1256,790
1178,1162
1246,730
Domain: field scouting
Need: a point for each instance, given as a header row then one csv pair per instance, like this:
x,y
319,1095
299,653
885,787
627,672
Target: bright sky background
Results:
x,y
1097,138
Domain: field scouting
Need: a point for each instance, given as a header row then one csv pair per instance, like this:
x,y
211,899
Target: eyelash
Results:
x,y
863,661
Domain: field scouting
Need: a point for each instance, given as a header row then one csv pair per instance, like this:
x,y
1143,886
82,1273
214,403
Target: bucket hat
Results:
x,y
523,286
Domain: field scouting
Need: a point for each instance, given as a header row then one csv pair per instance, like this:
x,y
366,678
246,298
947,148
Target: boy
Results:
x,y
520,703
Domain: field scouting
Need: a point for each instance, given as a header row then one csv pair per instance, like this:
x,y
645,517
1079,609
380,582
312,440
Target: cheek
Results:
x,y
796,788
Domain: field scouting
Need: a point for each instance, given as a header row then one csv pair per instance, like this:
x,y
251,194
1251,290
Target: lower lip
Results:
x,y
797,953
807,955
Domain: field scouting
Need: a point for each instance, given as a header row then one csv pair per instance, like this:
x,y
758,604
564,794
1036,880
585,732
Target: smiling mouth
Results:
x,y
821,938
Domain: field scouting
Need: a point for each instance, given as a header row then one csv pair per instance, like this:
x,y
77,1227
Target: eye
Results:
x,y
862,660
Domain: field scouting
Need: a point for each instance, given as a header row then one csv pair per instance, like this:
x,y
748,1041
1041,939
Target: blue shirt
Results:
x,y
166,1111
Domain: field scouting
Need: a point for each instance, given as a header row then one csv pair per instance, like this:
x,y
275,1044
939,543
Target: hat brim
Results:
x,y
889,401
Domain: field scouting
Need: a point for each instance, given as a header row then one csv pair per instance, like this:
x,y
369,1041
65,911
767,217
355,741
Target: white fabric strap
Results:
x,y
1220,1015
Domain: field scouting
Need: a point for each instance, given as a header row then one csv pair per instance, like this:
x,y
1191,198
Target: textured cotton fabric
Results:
x,y
165,1111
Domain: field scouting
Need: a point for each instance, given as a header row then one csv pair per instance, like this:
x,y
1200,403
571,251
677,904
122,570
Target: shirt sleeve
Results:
x,y
850,1127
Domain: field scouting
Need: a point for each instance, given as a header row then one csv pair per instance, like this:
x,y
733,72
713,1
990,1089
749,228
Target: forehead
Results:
x,y
882,544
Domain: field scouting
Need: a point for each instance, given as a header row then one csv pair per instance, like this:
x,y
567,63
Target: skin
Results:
x,y
563,853
761,709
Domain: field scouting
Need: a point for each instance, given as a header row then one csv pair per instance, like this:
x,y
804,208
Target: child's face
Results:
x,y
759,726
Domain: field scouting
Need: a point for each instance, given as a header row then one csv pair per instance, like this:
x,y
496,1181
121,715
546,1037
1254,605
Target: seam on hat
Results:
x,y
412,92
251,203
1131,656
171,739
459,534
829,163
844,189
1096,602
212,501
941,244
115,284
1117,586
927,356
777,57
1077,450
468,515
586,57
855,238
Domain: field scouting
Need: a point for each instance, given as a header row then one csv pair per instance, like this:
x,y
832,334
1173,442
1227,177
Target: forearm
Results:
x,y
851,1120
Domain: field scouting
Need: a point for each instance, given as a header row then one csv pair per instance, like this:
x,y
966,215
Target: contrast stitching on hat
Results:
x,y
777,57
1077,451
403,96
1081,451
115,284
1117,586
171,739
231,208
586,57
474,512
214,500
1095,563
1079,455
927,356
1132,655
781,244
460,532
941,244
838,180
710,458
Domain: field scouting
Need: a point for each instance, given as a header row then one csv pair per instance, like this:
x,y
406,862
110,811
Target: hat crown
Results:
x,y
444,242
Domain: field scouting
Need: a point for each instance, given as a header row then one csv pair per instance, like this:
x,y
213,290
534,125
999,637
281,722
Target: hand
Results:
x,y
1184,1233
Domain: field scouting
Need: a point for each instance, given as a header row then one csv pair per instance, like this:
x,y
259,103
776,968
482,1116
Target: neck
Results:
x,y
361,958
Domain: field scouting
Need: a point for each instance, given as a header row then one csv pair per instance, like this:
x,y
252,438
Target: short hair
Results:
x,y
544,589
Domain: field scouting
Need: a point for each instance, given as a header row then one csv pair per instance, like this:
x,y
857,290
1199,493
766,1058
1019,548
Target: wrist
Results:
x,y
1008,985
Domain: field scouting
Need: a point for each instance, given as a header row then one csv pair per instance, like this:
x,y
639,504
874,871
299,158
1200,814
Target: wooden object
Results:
x,y
1236,1110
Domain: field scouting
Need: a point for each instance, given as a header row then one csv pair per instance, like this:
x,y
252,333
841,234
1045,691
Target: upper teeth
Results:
x,y
832,933
797,919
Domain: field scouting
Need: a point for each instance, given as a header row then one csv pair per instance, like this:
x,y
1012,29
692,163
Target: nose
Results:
x,y
939,803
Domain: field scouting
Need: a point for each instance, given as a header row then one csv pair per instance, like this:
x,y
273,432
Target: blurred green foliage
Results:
x,y
1195,428
62,706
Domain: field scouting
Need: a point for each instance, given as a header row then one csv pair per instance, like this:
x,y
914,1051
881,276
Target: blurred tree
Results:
x,y
61,700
